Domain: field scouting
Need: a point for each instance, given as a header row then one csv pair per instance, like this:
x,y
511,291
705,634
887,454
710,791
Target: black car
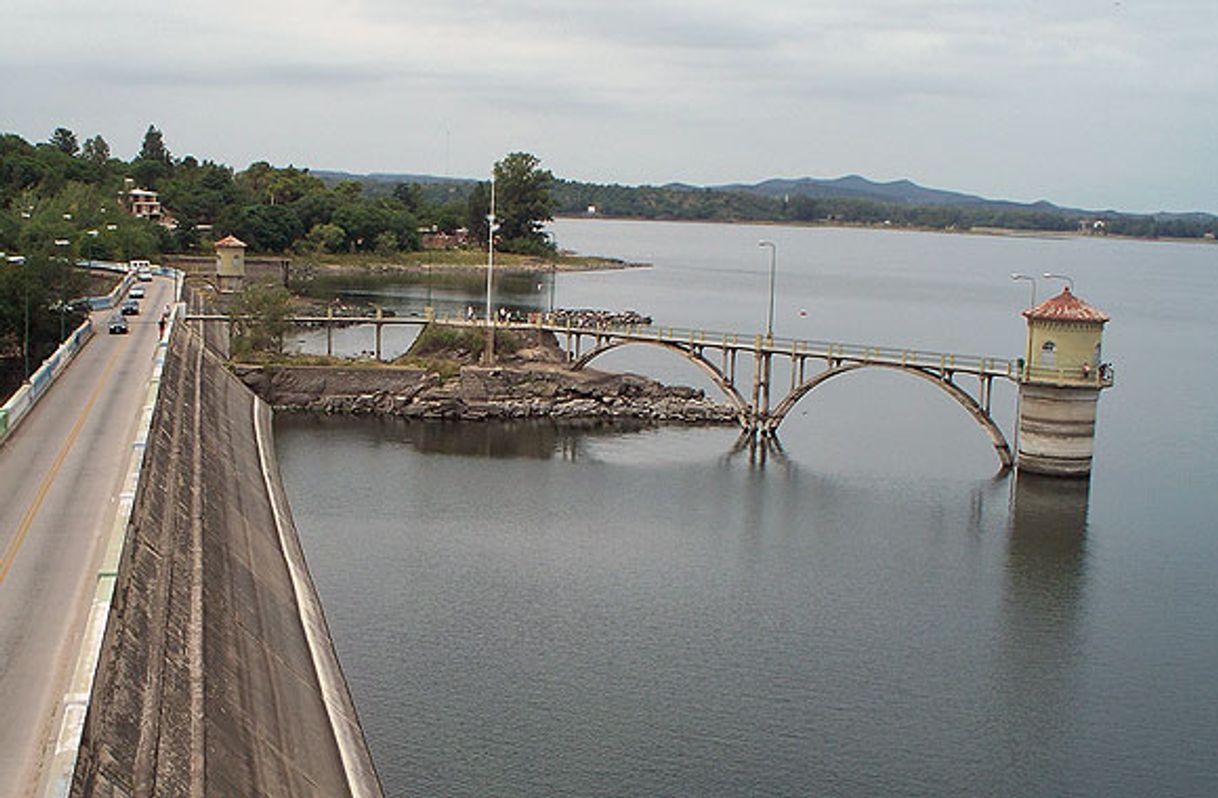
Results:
x,y
130,308
118,325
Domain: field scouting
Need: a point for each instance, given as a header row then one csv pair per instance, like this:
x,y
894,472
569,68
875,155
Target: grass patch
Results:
x,y
460,343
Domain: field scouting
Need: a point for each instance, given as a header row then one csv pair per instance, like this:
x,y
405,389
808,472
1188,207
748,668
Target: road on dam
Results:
x,y
61,472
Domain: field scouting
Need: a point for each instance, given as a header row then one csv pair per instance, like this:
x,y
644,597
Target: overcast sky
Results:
x,y
1089,103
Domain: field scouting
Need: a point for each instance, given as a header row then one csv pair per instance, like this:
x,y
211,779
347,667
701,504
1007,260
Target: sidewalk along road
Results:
x,y
60,476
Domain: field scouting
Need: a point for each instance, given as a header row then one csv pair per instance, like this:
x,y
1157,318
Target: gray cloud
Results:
x,y
669,89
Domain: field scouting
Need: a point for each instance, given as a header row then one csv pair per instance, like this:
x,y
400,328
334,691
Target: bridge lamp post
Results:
x,y
769,322
491,227
1069,280
1027,362
19,260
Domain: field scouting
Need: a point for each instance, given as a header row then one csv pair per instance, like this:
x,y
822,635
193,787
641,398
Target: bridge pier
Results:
x,y
1057,429
759,410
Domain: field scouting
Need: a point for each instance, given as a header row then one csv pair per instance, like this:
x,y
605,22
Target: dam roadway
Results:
x,y
216,674
60,473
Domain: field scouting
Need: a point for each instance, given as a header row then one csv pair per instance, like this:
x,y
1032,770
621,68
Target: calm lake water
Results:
x,y
524,610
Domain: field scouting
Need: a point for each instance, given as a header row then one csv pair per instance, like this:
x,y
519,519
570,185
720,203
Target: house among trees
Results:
x,y
140,202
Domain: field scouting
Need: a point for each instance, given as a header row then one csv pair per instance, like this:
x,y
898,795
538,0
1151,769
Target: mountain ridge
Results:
x,y
902,191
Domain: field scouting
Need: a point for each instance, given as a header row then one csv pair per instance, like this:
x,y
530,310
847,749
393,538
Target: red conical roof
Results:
x,y
230,241
1066,307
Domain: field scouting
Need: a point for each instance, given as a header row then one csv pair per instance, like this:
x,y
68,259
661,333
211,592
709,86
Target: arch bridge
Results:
x,y
810,363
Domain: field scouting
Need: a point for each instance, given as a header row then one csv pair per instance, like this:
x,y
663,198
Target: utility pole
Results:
x,y
488,356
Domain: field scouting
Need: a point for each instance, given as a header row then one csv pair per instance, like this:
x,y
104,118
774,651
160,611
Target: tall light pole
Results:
x,y
25,339
769,319
491,227
1027,363
1032,281
1069,280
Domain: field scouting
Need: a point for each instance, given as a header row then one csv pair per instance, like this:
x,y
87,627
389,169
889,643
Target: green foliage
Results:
x,y
44,284
199,193
269,228
324,238
64,140
264,310
461,343
386,243
522,205
363,222
154,149
682,203
96,150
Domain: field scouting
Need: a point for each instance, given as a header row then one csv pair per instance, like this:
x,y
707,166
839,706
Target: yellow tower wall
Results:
x,y
1075,345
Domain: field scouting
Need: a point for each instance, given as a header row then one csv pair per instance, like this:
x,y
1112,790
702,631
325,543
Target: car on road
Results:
x,y
136,292
130,308
144,276
117,325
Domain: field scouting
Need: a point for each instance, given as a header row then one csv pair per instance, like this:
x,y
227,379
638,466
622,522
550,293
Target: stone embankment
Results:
x,y
480,393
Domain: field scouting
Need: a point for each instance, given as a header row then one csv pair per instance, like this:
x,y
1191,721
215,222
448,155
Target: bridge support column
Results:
x,y
760,409
1056,429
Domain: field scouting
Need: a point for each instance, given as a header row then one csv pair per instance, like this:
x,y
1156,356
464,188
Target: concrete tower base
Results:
x,y
1056,429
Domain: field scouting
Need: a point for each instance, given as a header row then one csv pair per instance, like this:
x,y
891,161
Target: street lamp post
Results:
x,y
769,322
491,227
1069,280
1031,281
1027,363
25,340
553,277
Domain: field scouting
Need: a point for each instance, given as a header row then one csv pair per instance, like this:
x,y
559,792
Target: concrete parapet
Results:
x,y
24,399
217,675
1056,429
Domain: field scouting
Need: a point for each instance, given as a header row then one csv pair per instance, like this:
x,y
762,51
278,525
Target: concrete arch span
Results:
x,y
720,379
1001,447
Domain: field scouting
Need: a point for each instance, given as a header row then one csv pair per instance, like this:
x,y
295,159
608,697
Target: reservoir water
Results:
x,y
525,610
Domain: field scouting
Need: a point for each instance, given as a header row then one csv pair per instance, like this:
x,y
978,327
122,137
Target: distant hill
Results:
x,y
850,199
332,177
905,192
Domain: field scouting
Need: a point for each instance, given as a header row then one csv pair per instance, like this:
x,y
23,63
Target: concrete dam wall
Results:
x,y
217,675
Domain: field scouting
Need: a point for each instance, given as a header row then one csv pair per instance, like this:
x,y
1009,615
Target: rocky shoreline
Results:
x,y
480,393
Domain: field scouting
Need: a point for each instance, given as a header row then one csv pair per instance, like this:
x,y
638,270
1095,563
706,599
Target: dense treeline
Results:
x,y
59,191
683,203
61,201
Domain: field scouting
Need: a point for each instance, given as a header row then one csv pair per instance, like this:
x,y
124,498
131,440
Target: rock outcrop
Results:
x,y
479,393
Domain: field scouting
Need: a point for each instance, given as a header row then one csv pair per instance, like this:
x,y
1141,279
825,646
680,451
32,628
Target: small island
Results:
x,y
440,378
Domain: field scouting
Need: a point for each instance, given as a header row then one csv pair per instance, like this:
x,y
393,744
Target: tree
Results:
x,y
325,238
96,150
477,207
523,204
268,228
64,140
153,148
264,311
410,195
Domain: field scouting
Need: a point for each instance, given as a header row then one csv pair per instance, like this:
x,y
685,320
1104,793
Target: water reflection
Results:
x,y
1042,625
449,292
760,449
1048,525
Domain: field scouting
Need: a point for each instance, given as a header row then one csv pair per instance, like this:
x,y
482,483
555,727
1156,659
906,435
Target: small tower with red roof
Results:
x,y
1060,383
230,264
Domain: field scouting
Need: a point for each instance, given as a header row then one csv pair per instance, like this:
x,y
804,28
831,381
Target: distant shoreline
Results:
x,y
996,232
